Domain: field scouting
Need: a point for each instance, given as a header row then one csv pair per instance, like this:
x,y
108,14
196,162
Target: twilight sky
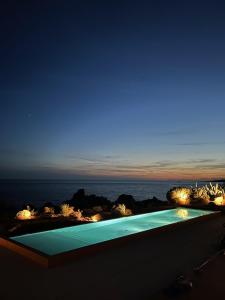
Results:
x,y
112,89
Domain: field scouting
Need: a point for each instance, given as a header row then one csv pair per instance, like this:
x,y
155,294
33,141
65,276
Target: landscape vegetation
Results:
x,y
83,208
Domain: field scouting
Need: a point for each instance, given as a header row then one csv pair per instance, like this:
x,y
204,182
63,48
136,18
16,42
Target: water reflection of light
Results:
x,y
182,213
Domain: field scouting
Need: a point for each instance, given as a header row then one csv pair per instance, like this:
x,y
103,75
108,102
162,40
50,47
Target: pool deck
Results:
x,y
137,269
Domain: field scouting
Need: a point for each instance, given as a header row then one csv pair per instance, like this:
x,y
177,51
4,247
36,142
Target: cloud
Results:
x,y
175,132
96,159
201,161
200,143
114,164
167,164
211,166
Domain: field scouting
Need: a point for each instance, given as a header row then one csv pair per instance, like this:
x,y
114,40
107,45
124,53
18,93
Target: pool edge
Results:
x,y
30,253
49,261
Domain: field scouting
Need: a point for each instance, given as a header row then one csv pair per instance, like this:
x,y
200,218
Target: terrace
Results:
x,y
137,269
185,236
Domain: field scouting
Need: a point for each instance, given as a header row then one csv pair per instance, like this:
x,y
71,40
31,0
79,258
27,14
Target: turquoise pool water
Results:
x,y
61,240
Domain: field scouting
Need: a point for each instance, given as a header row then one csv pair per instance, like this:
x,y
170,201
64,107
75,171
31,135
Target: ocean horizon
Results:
x,y
18,192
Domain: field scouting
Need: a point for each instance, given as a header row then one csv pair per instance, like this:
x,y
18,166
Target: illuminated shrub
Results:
x,y
214,190
179,195
201,195
211,193
66,210
49,210
78,215
121,210
96,218
26,214
23,215
219,200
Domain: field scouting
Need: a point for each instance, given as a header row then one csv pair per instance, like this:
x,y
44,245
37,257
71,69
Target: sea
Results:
x,y
17,193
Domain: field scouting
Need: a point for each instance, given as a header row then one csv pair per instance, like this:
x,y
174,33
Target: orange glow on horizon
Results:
x,y
198,176
141,171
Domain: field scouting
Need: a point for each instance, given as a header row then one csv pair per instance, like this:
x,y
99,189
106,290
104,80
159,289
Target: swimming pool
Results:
x,y
64,240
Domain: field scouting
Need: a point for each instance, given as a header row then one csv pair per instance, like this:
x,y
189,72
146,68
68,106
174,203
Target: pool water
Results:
x,y
61,240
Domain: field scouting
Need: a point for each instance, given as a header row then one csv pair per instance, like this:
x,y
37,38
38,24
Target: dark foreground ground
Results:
x,y
139,269
208,285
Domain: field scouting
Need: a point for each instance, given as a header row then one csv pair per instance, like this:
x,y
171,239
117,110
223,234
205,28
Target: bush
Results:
x,y
121,210
179,195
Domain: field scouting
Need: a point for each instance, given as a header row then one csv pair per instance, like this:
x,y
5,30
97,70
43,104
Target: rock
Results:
x,y
212,205
81,200
79,195
89,211
106,214
98,208
127,200
153,202
50,205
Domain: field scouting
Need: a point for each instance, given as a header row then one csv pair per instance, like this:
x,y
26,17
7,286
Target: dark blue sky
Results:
x,y
112,89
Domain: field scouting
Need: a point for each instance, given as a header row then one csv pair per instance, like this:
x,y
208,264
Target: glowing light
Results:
x,y
219,201
96,218
182,213
24,214
181,196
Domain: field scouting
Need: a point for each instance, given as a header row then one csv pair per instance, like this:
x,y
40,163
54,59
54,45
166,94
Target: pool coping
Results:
x,y
49,261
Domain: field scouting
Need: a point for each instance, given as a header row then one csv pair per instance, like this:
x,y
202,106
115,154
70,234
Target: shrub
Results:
x,y
78,215
210,193
179,195
66,210
200,194
26,214
49,210
97,217
214,190
122,210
